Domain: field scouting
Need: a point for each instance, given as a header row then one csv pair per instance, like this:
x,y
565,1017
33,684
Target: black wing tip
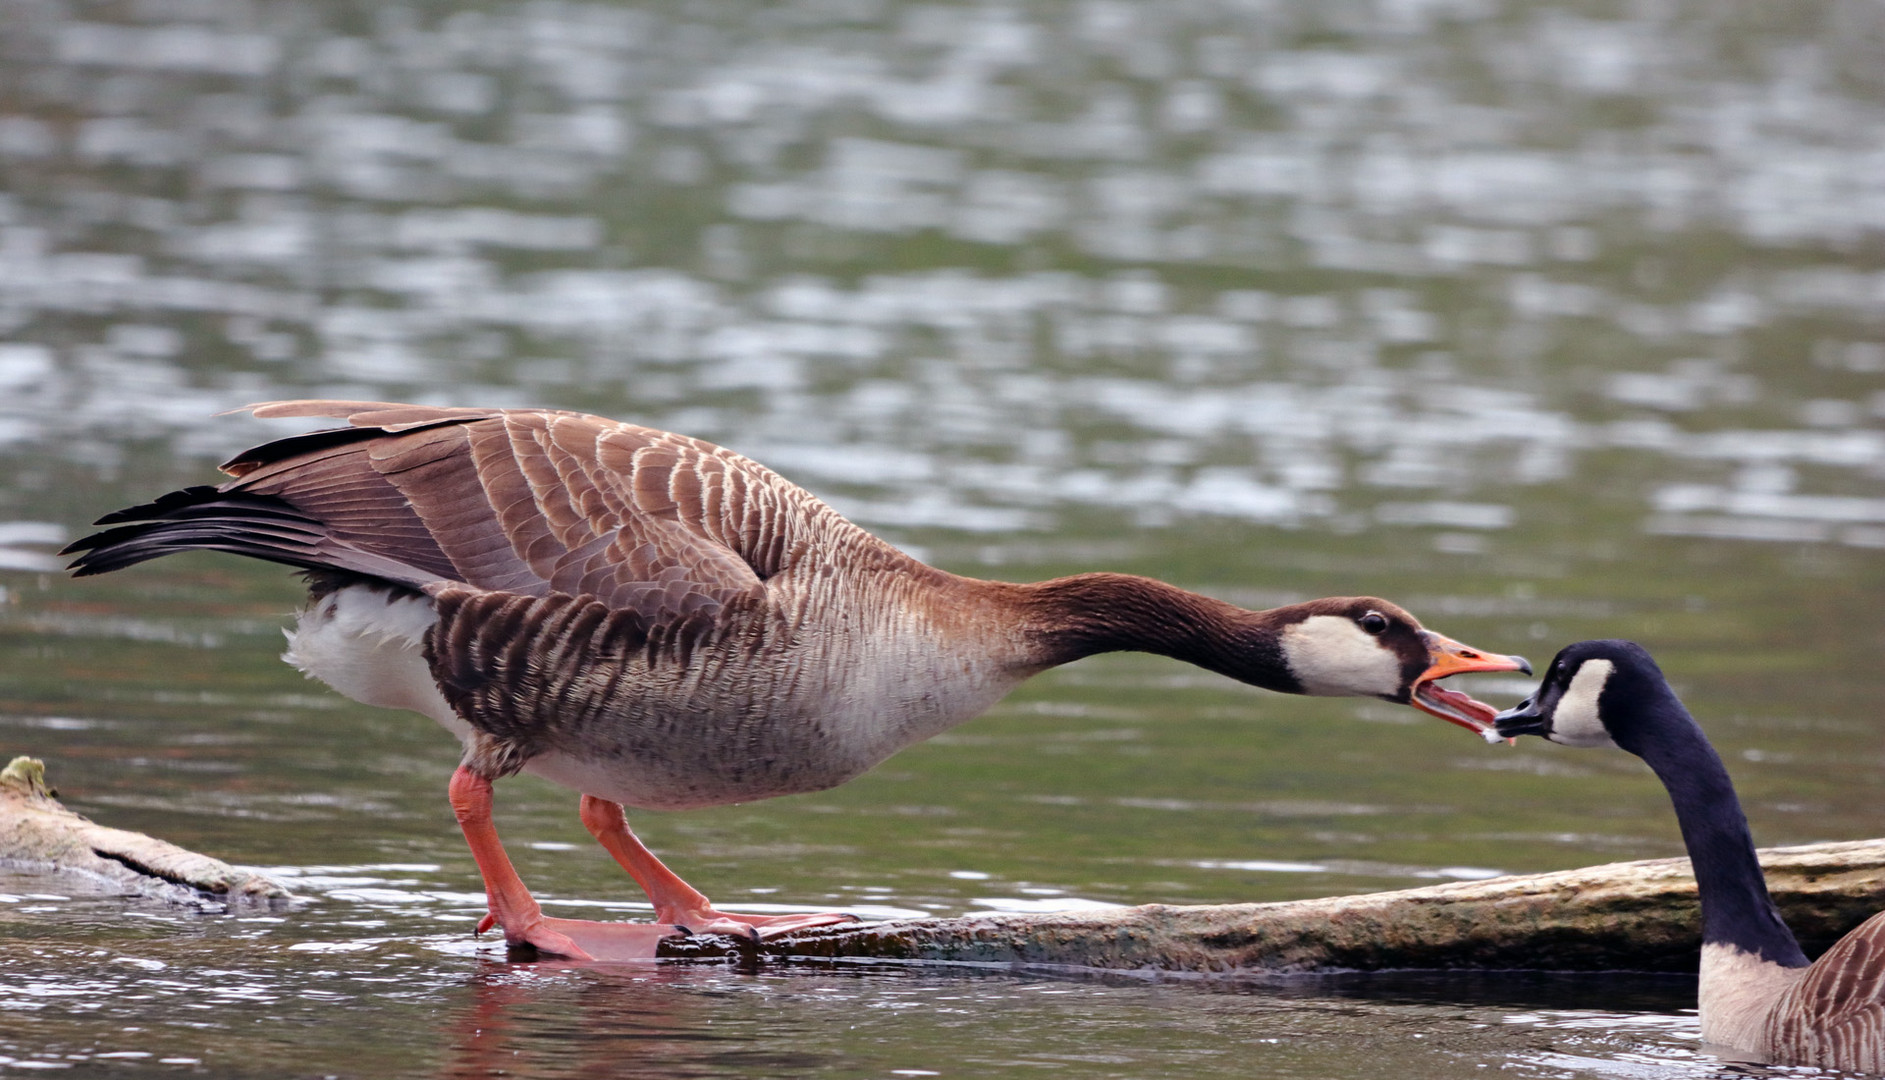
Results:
x,y
161,506
98,559
92,568
188,519
132,522
261,527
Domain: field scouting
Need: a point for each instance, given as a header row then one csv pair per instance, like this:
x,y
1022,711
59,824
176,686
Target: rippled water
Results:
x,y
1547,320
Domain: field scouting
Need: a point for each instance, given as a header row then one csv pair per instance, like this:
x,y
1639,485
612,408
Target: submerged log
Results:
x,y
1633,916
38,833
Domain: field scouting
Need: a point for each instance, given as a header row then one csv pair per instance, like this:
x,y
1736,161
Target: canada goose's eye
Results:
x,y
1374,622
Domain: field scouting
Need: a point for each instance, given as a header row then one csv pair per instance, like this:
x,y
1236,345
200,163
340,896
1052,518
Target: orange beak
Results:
x,y
1448,657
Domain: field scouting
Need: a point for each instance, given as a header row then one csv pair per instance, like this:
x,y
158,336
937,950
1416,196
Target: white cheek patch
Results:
x,y
1574,722
1332,657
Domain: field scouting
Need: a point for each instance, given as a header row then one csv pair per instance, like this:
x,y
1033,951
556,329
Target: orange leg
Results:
x,y
676,902
512,906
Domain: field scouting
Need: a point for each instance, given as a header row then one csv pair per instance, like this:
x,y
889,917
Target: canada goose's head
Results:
x,y
1595,693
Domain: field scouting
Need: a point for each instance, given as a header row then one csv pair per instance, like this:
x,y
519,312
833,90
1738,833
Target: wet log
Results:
x,y
1633,916
38,833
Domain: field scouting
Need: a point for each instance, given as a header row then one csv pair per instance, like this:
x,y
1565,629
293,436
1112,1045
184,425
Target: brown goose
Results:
x,y
1758,993
658,622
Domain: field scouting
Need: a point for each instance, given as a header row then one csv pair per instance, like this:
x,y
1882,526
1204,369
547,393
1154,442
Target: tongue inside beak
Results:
x,y
1455,707
1448,657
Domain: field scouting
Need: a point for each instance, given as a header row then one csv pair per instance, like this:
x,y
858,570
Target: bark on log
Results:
x,y
38,833
1634,916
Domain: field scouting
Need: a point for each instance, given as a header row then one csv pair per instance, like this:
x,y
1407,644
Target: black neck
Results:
x,y
1736,908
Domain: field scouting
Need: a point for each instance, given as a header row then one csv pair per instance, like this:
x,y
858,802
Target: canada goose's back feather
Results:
x,y
1836,1013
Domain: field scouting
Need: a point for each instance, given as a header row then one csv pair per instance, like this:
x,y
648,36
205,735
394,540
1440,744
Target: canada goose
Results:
x,y
1758,993
658,622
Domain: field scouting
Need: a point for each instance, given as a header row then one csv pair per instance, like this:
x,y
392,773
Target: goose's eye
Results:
x,y
1374,622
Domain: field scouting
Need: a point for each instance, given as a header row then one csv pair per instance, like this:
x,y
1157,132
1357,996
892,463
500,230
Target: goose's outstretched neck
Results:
x,y
1736,908
1073,617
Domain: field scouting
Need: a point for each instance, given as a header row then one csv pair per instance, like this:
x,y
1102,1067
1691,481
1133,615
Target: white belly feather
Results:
x,y
369,645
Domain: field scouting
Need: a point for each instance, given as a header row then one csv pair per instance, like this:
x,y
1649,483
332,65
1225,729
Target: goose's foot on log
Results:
x,y
583,939
675,901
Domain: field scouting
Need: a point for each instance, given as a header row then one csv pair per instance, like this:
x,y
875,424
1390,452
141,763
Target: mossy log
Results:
x,y
1634,916
38,833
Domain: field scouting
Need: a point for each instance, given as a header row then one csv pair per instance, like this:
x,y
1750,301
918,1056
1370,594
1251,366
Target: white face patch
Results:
x,y
1332,657
1574,722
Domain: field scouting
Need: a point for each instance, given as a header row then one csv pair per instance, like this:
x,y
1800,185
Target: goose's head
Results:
x,y
1592,695
1363,646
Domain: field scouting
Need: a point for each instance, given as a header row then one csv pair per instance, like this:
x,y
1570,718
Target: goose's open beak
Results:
x,y
1448,657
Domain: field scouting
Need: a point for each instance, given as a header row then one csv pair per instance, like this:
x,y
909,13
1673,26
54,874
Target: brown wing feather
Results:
x,y
1835,1015
354,505
534,502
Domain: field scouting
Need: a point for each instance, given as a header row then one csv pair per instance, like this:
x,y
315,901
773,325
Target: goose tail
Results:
x,y
205,518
